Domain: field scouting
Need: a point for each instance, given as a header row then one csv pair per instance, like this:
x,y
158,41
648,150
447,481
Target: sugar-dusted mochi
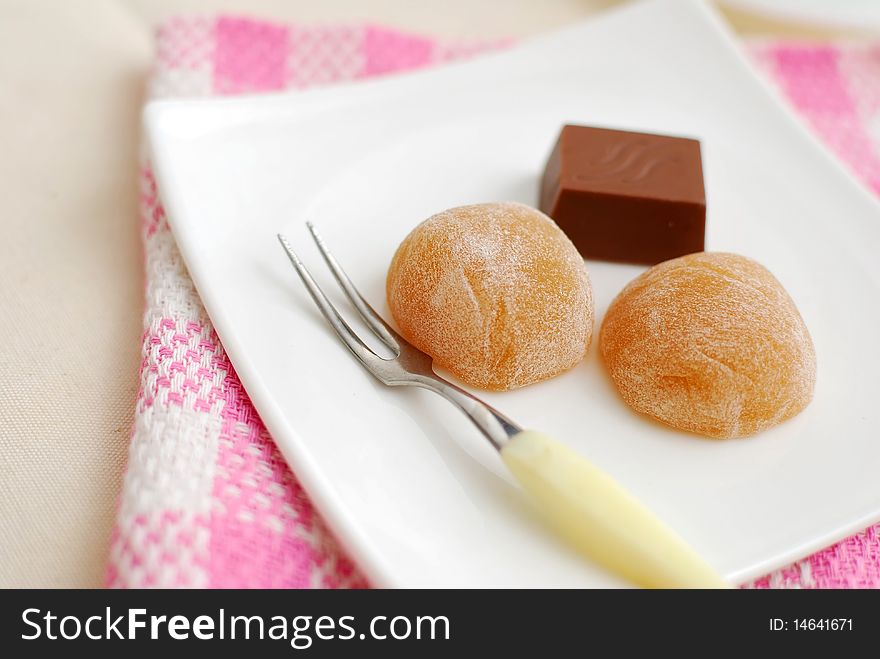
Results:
x,y
495,293
710,343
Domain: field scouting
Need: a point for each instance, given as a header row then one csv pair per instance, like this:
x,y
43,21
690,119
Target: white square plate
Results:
x,y
410,488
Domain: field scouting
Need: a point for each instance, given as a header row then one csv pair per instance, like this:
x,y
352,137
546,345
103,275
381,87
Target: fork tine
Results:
x,y
342,329
382,330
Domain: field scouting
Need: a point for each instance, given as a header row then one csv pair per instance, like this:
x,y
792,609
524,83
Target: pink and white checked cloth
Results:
x,y
207,500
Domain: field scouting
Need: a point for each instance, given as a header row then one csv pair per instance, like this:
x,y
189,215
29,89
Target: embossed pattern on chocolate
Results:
x,y
632,160
625,196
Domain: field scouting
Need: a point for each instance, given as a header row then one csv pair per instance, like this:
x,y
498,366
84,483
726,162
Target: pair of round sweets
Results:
x,y
497,294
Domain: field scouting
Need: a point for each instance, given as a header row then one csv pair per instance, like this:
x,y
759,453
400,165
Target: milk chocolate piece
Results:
x,y
623,196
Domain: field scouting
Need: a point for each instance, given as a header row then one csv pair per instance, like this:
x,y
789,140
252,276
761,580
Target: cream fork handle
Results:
x,y
601,519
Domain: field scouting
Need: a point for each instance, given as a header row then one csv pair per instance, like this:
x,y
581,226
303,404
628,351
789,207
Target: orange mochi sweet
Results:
x,y
495,293
709,343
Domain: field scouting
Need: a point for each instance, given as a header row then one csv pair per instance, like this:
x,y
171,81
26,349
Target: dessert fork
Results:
x,y
585,505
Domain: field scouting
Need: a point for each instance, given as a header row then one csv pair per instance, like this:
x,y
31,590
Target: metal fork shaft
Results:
x,y
411,366
494,426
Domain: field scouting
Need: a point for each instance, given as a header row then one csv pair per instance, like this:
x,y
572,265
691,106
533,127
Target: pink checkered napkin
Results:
x,y
207,500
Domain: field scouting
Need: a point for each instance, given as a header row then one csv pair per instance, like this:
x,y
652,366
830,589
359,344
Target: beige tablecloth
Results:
x,y
70,274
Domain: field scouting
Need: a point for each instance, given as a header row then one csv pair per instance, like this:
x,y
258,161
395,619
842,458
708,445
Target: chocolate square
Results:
x,y
624,196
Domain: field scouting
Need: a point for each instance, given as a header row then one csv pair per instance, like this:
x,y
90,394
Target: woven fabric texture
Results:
x,y
207,500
